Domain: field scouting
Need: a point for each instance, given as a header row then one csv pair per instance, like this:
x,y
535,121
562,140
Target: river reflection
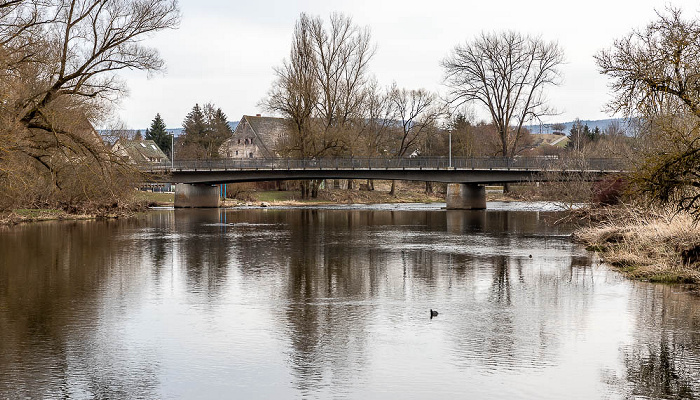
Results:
x,y
333,303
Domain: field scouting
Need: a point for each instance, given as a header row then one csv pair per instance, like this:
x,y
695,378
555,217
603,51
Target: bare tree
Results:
x,y
655,68
375,128
655,79
417,113
558,127
321,88
58,68
506,73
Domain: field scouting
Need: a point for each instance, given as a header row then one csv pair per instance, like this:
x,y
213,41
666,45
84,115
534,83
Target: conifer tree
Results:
x,y
205,129
159,135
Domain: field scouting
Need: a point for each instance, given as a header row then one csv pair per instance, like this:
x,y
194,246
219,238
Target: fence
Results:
x,y
482,163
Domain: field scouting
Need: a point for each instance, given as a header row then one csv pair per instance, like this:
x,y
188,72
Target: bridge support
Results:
x,y
465,196
196,195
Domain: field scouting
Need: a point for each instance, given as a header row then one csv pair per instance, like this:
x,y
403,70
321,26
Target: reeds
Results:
x,y
655,245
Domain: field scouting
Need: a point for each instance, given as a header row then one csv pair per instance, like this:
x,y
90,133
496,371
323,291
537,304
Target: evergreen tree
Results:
x,y
159,135
195,124
206,128
586,134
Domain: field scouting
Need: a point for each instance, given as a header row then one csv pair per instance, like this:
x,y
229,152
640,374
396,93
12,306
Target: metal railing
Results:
x,y
418,163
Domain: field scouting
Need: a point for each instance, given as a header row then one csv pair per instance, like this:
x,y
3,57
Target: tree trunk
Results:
x,y
392,192
506,188
370,184
350,184
428,187
314,188
304,190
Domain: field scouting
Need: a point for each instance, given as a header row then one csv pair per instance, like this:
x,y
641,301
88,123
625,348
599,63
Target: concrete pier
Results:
x,y
196,195
465,196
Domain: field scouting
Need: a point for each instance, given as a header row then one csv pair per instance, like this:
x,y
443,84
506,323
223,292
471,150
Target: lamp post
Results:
x,y
172,151
450,147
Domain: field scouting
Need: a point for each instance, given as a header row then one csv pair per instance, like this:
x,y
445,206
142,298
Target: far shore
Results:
x,y
143,200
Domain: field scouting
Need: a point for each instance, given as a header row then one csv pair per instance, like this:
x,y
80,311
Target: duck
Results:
x,y
433,313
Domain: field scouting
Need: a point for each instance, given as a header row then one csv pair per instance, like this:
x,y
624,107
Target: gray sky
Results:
x,y
224,51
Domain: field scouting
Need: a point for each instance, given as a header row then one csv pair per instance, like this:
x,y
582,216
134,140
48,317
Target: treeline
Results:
x,y
205,129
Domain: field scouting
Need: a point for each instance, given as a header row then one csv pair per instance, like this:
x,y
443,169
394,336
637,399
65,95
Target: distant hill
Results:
x,y
592,124
180,131
176,131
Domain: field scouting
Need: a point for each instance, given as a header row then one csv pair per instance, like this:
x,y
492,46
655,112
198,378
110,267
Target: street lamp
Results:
x,y
172,150
450,146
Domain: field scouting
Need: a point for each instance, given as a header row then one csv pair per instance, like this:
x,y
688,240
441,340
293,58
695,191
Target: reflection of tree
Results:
x,y
326,289
658,371
500,288
663,361
55,282
203,248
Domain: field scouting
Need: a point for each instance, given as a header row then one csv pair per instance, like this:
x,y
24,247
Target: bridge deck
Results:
x,y
457,170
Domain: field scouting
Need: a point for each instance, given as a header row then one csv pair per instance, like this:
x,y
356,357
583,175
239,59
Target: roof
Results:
x,y
139,150
268,130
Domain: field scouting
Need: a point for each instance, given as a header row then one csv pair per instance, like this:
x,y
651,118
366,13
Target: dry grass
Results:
x,y
653,245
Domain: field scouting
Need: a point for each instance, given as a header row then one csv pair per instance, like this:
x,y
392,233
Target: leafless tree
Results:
x,y
558,127
417,113
655,79
377,125
321,88
655,68
59,61
506,73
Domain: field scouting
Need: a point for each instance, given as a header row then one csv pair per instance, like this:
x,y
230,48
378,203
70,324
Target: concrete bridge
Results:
x,y
196,180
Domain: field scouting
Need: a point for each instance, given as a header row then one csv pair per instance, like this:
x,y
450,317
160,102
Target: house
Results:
x,y
255,137
139,151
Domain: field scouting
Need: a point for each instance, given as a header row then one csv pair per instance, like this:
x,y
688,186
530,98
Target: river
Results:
x,y
334,302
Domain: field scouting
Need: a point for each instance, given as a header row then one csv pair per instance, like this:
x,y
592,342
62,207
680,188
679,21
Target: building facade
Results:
x,y
254,137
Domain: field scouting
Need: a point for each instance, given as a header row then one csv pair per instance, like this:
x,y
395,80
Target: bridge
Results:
x,y
196,179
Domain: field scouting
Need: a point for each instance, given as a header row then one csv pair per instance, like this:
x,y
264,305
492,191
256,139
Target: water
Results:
x,y
334,303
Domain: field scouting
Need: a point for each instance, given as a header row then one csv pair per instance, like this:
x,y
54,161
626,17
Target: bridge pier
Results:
x,y
190,195
465,196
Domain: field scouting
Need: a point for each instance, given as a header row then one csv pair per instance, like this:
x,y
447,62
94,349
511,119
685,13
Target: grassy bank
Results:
x,y
657,246
118,209
335,196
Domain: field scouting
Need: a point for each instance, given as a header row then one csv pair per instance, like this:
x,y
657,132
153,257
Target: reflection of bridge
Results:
x,y
467,173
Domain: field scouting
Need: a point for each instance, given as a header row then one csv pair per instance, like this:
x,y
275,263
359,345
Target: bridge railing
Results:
x,y
477,163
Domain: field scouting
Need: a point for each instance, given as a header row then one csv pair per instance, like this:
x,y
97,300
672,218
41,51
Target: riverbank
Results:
x,y
85,212
655,246
406,192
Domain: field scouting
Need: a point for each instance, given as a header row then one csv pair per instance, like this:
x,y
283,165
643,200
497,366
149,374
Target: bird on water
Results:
x,y
433,313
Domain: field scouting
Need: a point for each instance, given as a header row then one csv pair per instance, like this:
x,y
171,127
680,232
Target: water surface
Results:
x,y
334,302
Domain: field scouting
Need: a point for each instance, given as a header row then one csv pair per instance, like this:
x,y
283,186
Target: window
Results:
x,y
250,155
237,150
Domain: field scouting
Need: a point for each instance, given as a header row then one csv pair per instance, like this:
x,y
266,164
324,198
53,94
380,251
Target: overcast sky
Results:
x,y
224,51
